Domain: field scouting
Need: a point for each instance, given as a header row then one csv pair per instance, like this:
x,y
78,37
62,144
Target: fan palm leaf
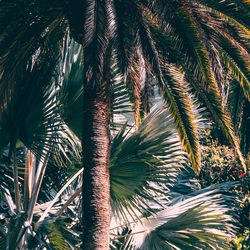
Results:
x,y
142,162
194,223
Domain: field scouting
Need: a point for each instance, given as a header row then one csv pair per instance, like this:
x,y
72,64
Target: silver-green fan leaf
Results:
x,y
199,222
142,162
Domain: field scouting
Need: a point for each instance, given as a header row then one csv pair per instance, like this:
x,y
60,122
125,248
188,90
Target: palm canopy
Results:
x,y
199,39
185,46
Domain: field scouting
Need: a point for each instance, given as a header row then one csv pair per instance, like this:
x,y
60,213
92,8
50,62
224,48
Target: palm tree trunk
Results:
x,y
96,184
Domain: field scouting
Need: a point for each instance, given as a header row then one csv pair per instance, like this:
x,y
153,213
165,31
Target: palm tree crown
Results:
x,y
184,44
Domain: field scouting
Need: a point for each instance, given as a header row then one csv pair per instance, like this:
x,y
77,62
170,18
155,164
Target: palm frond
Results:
x,y
243,29
204,73
194,223
142,162
185,28
54,233
56,237
231,8
134,84
29,116
125,34
244,129
181,107
121,105
68,185
235,103
237,68
21,39
70,79
220,115
210,97
96,46
148,47
213,91
17,229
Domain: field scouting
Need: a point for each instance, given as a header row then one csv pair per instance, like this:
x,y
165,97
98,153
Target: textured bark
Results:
x,y
96,184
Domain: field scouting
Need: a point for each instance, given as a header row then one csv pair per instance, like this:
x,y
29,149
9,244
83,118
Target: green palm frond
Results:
x,y
56,237
243,29
199,222
212,102
208,90
245,129
235,101
70,73
55,234
231,8
22,37
211,99
142,162
239,114
184,27
171,40
121,102
237,67
70,80
176,94
125,34
38,127
32,115
16,230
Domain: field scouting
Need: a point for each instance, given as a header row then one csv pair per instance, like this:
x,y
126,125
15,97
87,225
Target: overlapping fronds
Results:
x,y
238,10
96,45
16,230
32,115
125,34
212,101
127,25
243,29
120,103
238,68
142,162
70,79
24,29
121,106
184,46
187,30
198,222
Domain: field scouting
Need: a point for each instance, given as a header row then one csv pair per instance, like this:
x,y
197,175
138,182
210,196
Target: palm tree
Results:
x,y
149,207
185,45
